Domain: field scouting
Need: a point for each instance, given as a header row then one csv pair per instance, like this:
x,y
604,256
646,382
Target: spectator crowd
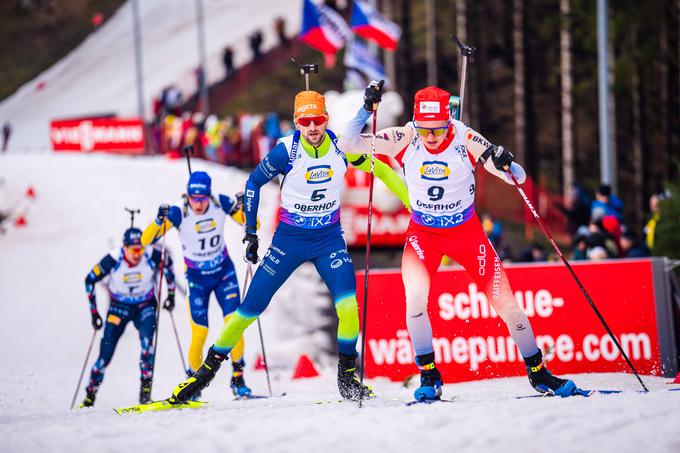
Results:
x,y
241,140
596,228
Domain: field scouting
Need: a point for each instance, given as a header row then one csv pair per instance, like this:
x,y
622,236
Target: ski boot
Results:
x,y
544,382
197,396
430,379
200,379
348,383
238,384
89,400
145,391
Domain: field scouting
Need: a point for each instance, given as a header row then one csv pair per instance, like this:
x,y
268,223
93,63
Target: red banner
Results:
x,y
471,342
118,136
390,218
387,229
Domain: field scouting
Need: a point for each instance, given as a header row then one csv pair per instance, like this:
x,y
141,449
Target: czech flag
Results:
x,y
369,24
323,29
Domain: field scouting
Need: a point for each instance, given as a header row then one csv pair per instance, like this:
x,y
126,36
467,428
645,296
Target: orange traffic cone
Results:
x,y
259,363
20,221
304,368
677,379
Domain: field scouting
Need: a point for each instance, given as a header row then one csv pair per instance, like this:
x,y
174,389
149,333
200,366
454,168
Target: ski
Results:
x,y
589,393
162,405
438,400
256,397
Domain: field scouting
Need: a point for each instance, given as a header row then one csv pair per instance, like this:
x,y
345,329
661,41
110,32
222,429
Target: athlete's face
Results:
x,y
199,203
432,133
133,254
313,129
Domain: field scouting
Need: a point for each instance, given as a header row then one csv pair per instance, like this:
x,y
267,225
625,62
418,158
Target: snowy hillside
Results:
x,y
45,327
98,77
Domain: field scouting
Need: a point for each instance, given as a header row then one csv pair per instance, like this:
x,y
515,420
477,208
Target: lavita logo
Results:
x,y
318,174
435,170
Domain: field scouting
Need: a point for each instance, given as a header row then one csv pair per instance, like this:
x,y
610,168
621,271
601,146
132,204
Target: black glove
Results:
x,y
97,322
169,303
373,94
163,211
501,158
250,248
239,203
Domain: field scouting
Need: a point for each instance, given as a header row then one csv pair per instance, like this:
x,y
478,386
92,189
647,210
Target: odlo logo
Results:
x,y
416,247
318,174
481,259
435,170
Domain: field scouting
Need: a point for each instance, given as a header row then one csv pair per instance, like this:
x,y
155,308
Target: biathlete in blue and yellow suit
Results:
x,y
131,272
200,223
309,230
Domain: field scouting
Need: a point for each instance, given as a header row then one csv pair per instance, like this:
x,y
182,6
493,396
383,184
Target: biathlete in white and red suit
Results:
x,y
438,155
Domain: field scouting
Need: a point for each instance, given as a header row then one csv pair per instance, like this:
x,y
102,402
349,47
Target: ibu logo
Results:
x,y
318,174
435,170
206,226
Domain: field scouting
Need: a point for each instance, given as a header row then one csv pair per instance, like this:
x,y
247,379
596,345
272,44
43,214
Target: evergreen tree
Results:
x,y
667,240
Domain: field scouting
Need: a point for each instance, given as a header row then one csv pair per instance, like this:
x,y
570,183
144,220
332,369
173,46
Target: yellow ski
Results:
x,y
162,405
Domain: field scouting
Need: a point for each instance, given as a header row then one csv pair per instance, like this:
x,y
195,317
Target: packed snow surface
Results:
x,y
78,216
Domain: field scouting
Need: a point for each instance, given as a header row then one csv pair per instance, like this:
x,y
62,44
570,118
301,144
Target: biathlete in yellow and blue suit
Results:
x,y
309,230
200,223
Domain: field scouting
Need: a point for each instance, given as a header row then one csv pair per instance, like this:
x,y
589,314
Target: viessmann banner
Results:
x,y
471,342
111,135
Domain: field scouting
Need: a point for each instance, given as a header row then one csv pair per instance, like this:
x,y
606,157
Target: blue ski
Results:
x,y
589,393
439,400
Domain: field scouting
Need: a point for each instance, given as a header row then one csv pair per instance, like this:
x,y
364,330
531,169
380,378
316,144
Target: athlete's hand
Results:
x,y
238,205
169,303
97,322
163,211
501,158
251,243
373,95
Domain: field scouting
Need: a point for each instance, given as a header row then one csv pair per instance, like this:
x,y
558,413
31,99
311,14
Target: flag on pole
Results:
x,y
368,23
324,30
362,65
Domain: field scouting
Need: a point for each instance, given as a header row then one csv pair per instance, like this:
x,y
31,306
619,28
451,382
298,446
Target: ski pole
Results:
x,y
246,281
82,371
158,301
573,274
368,251
179,345
188,150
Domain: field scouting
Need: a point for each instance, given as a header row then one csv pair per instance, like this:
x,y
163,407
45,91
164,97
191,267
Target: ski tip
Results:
x,y
161,405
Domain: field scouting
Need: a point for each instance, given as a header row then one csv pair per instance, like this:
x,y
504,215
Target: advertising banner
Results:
x,y
390,218
110,135
471,342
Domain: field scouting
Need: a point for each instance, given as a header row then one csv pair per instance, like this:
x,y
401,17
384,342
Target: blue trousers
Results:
x,y
143,316
225,286
327,250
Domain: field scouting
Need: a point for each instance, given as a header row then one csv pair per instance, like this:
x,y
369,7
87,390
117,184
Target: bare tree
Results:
x,y
461,33
566,97
519,81
431,42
